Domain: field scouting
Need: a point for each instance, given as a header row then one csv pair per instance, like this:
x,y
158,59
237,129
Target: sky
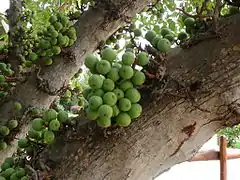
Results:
x,y
4,5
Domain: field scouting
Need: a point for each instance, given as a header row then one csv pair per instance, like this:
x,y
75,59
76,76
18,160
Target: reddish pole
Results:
x,y
223,158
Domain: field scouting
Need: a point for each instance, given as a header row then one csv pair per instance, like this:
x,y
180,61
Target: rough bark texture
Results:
x,y
202,96
96,25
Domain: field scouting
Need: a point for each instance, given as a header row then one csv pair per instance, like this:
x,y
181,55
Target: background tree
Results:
x,y
175,66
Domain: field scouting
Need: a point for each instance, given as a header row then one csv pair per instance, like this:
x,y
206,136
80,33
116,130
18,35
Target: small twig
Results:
x,y
64,4
77,5
233,3
200,16
34,172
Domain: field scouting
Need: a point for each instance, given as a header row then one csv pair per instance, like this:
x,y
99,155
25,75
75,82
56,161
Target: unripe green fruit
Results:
x,y
58,26
126,72
67,94
48,137
103,67
110,98
142,59
49,115
138,78
2,78
35,134
95,81
4,130
108,85
17,106
22,143
125,85
91,114
133,95
62,116
115,110
135,111
48,61
123,119
150,35
12,124
170,37
86,92
9,160
165,31
98,92
156,28
128,58
164,45
105,111
137,32
13,177
8,72
116,65
61,40
64,20
53,42
90,61
154,42
44,44
3,145
5,165
71,33
56,50
53,19
95,102
54,125
124,104
35,111
66,41
119,93
104,122
8,172
182,36
183,17
53,33
189,22
108,54
20,172
113,74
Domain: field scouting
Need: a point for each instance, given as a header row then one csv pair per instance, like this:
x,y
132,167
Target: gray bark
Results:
x,y
202,96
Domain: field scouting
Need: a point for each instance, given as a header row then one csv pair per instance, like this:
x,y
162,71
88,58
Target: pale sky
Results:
x,y
4,5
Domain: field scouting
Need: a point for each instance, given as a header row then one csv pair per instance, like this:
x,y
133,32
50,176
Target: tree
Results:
x,y
190,91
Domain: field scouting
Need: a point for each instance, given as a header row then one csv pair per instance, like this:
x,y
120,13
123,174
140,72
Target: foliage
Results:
x,y
232,134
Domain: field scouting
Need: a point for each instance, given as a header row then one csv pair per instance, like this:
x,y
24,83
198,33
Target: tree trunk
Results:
x,y
202,94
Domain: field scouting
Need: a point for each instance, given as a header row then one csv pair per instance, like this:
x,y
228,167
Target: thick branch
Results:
x,y
202,96
15,28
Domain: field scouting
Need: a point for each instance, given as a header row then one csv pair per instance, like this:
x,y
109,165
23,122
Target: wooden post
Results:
x,y
223,158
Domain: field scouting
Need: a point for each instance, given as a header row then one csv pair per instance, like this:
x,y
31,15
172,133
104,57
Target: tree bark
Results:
x,y
42,86
202,95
